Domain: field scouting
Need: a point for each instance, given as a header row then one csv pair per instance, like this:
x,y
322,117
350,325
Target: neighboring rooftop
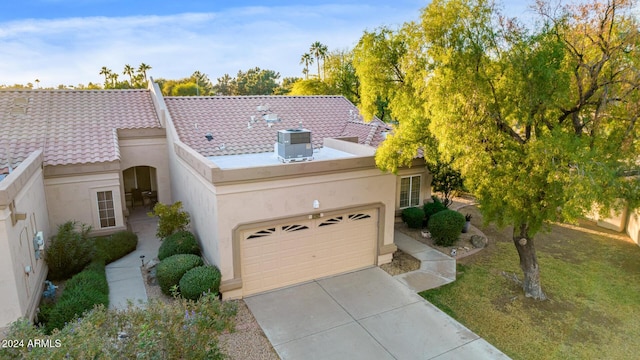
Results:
x,y
228,119
70,126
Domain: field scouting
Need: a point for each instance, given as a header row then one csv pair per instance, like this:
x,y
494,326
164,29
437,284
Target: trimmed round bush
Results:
x,y
170,270
181,242
199,280
432,208
446,226
413,216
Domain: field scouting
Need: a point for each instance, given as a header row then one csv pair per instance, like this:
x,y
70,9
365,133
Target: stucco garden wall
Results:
x,y
21,274
190,183
633,226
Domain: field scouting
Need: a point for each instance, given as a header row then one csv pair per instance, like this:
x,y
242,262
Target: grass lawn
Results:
x,y
592,279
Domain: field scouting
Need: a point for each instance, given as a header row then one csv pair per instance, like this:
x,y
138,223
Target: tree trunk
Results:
x,y
528,262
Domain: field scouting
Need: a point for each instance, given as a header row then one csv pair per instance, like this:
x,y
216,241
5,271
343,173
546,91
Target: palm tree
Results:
x,y
307,60
107,73
319,51
114,80
129,70
142,69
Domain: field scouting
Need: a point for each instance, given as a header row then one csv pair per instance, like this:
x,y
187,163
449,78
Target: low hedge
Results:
x,y
93,277
446,226
82,293
112,248
200,280
170,270
413,216
181,242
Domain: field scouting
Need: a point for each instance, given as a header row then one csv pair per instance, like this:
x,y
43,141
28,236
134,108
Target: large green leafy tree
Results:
x,y
340,74
541,123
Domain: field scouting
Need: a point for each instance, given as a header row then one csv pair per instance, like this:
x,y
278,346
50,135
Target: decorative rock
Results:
x,y
425,234
478,241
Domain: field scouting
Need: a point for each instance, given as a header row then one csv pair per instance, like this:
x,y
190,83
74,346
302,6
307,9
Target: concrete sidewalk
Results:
x,y
124,275
365,314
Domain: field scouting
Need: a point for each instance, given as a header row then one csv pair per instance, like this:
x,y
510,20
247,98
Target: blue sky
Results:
x,y
68,41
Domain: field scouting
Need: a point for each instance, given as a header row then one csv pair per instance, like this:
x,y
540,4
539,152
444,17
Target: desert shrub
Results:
x,y
73,306
171,218
199,280
446,227
181,242
170,270
44,312
158,331
92,277
112,248
413,216
69,252
431,208
82,292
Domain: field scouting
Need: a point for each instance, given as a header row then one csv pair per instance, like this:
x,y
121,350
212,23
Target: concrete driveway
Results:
x,y
365,314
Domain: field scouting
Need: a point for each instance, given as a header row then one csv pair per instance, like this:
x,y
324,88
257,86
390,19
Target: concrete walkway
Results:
x,y
362,315
436,268
124,275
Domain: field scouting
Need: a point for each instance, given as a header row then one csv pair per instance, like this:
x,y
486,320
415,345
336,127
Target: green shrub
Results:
x,y
82,292
69,252
431,208
170,270
112,248
175,330
92,277
413,216
446,227
181,242
171,218
199,280
73,306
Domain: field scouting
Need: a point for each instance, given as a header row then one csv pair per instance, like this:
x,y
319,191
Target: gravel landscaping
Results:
x,y
246,342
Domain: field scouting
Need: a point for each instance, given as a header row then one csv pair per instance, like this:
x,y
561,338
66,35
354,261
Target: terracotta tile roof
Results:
x,y
71,126
228,119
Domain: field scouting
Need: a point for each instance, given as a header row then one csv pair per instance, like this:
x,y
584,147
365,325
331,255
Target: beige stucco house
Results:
x,y
69,155
89,156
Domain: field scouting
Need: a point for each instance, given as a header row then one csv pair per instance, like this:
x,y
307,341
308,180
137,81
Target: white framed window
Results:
x,y
410,191
106,210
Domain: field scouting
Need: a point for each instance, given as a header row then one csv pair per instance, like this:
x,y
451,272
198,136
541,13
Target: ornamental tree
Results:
x,y
540,119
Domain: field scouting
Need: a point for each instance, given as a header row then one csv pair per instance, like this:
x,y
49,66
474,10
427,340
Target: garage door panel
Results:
x,y
294,252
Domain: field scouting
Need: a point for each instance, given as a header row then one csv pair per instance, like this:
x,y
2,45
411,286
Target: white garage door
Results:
x,y
293,252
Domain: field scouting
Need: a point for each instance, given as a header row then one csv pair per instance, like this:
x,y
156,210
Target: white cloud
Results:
x,y
72,51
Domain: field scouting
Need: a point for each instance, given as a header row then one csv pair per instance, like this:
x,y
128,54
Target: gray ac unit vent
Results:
x,y
294,145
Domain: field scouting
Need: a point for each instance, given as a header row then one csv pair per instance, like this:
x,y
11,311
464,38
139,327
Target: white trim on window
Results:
x,y
106,209
410,191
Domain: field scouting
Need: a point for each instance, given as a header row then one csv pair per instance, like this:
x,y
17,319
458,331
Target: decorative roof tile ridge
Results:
x,y
361,122
372,133
116,143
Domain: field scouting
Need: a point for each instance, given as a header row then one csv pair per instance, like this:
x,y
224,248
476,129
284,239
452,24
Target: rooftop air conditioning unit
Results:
x,y
294,145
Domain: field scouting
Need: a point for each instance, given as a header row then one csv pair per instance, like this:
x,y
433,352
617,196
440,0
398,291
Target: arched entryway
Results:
x,y
140,186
